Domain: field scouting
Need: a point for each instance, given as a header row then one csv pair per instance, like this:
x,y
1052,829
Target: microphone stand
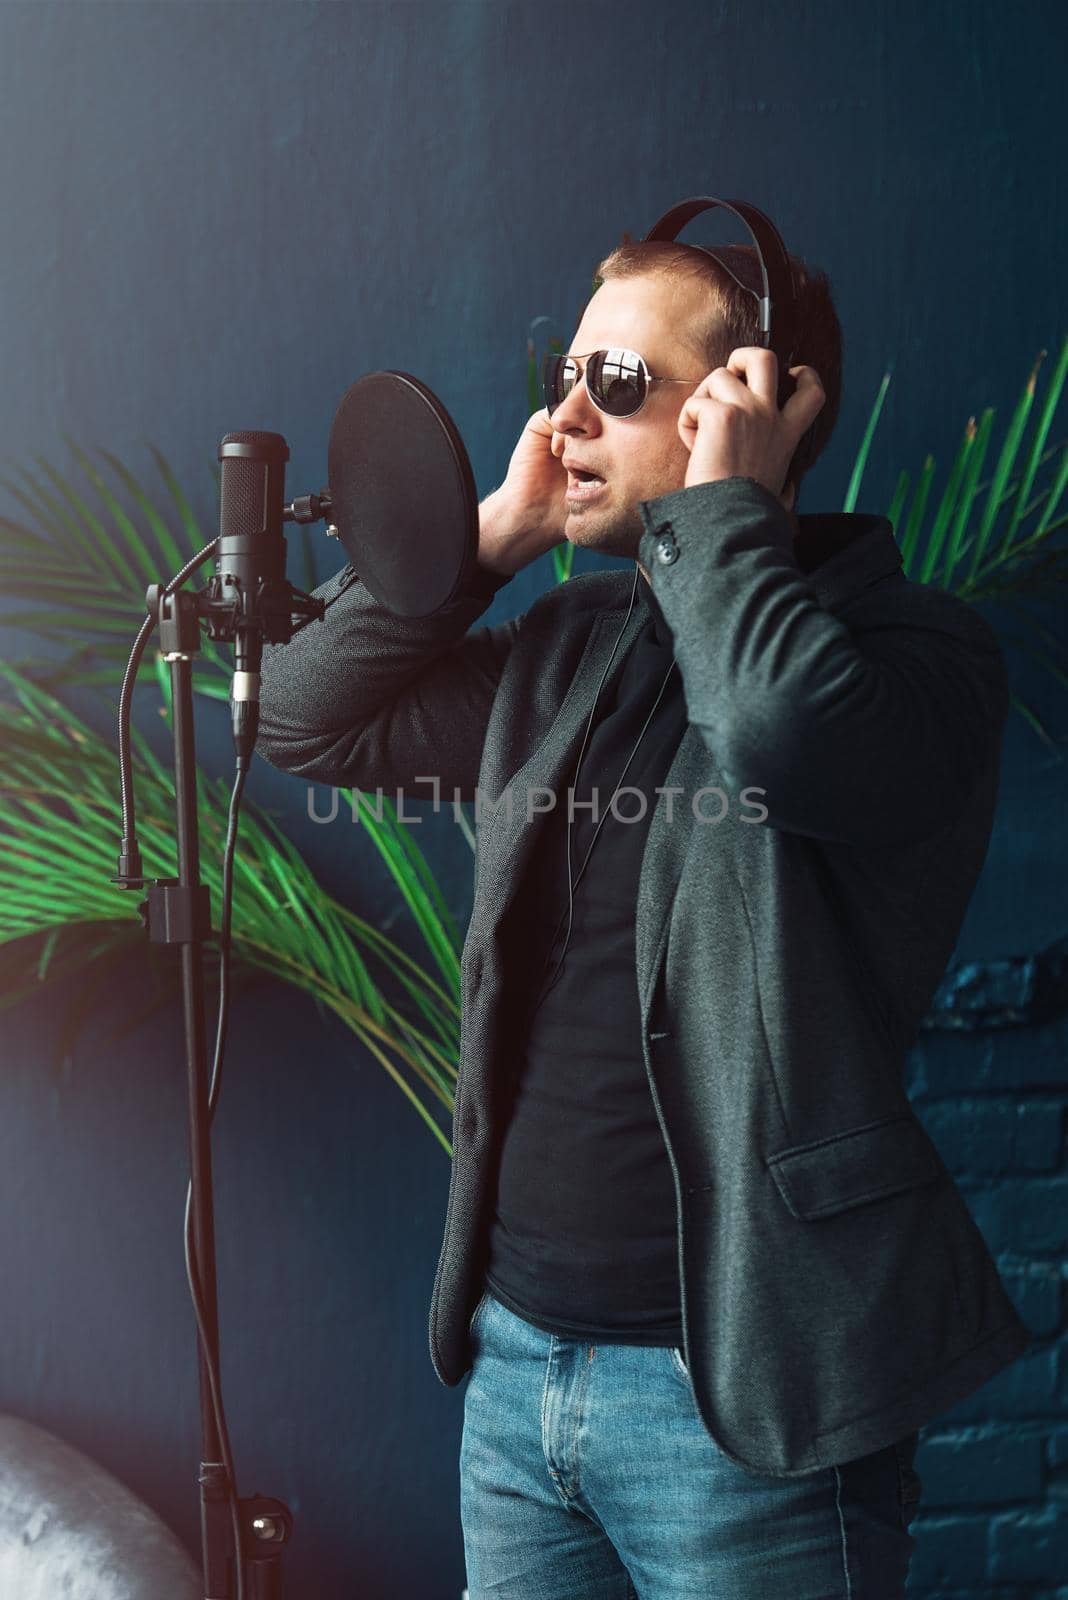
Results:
x,y
178,911
244,603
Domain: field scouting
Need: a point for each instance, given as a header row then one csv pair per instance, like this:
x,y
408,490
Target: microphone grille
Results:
x,y
248,458
243,501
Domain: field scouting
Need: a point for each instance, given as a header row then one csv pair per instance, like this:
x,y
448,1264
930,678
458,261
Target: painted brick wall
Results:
x,y
993,1518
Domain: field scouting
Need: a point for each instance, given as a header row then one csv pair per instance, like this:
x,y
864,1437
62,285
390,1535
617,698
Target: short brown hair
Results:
x,y
733,318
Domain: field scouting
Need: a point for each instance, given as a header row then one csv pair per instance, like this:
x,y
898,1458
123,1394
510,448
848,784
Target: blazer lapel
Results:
x,y
504,840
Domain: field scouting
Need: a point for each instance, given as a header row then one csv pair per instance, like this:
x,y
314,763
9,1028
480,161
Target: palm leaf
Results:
x,y
90,569
864,450
59,827
971,512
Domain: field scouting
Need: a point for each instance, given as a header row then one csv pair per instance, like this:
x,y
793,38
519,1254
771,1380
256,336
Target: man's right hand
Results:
x,y
525,517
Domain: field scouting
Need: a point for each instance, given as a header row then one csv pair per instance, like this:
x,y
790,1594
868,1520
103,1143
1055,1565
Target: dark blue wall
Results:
x,y
218,216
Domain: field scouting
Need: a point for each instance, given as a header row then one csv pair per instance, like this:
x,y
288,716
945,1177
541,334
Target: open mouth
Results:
x,y
583,486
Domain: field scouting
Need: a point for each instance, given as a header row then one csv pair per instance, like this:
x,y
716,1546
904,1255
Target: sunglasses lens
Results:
x,y
559,376
616,380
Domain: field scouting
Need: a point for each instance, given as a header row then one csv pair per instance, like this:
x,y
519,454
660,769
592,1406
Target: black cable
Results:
x,y
619,780
129,844
132,864
582,751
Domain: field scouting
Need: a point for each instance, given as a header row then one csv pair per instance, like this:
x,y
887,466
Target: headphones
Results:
x,y
776,295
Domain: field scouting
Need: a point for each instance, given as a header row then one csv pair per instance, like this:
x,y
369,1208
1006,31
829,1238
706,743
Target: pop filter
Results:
x,y
402,493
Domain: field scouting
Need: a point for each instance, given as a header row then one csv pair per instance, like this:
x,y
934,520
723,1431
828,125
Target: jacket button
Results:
x,y
667,550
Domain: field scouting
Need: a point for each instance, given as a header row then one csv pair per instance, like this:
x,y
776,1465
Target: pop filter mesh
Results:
x,y
403,493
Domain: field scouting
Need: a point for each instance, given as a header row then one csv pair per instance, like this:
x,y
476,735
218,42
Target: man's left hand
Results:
x,y
732,426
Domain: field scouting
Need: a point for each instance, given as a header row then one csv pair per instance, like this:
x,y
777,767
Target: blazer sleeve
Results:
x,y
365,698
873,733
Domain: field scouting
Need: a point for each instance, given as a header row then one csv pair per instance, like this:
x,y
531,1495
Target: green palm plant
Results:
x,y
84,567
59,819
990,538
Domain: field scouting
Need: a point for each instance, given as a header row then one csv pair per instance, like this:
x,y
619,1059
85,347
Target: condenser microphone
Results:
x,y
250,565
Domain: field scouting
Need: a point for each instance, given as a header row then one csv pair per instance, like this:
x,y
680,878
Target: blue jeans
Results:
x,y
586,1473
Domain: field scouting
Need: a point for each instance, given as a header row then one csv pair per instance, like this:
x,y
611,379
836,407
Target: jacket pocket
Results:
x,y
849,1169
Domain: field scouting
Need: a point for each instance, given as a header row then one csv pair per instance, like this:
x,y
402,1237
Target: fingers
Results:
x,y
807,400
759,370
690,413
731,424
756,370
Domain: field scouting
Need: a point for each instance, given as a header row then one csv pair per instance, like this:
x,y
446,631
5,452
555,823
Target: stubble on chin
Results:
x,y
617,535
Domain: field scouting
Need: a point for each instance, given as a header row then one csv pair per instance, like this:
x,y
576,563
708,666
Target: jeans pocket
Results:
x,y
476,1315
678,1363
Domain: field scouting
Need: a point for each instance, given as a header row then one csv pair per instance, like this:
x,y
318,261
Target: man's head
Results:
x,y
678,309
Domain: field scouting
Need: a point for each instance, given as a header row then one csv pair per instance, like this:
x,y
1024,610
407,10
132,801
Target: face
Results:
x,y
642,456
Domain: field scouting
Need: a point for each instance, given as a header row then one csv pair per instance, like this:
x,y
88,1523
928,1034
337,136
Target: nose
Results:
x,y
576,414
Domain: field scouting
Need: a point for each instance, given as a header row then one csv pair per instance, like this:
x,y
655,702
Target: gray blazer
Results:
x,y
836,1291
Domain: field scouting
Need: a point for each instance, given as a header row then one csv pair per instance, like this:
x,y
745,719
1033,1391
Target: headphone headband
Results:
x,y
777,302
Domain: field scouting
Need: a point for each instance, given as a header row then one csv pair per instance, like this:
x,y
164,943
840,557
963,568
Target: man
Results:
x,y
706,1269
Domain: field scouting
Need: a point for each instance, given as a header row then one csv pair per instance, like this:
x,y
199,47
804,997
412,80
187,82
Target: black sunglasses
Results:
x,y
617,381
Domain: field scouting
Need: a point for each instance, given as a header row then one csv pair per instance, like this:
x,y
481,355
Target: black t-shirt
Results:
x,y
583,1236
